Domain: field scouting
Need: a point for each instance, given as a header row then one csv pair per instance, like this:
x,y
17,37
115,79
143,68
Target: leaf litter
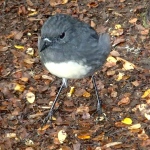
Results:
x,y
27,89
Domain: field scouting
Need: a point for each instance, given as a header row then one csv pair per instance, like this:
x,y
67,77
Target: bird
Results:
x,y
72,49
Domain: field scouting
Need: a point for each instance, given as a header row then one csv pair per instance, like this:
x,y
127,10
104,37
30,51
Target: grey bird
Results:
x,y
72,49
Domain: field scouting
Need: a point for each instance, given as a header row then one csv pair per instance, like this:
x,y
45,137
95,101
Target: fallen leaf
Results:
x,y
19,87
30,51
128,66
86,94
146,93
118,26
92,4
84,135
54,3
3,48
111,59
71,91
114,53
119,76
19,47
117,32
135,83
30,97
110,72
18,35
29,2
11,135
127,121
124,101
82,109
135,126
62,136
133,20
145,32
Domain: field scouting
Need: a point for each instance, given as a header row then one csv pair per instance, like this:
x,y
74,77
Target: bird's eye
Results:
x,y
62,35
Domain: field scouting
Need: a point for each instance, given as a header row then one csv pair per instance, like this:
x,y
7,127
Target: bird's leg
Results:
x,y
50,114
99,102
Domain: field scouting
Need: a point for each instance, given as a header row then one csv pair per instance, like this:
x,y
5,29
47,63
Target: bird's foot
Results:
x,y
48,117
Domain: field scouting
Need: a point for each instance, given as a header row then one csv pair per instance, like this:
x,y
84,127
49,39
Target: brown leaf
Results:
x,y
22,10
124,101
114,53
133,20
118,41
92,4
135,83
3,48
18,35
54,3
29,2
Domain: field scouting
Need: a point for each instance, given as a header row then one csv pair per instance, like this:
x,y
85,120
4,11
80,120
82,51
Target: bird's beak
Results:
x,y
44,43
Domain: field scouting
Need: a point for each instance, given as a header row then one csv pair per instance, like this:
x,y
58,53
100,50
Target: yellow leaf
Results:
x,y
118,26
71,92
32,14
127,121
128,66
86,94
146,93
19,87
19,46
111,59
120,76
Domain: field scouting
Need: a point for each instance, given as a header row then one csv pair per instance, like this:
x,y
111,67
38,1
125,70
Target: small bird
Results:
x,y
72,49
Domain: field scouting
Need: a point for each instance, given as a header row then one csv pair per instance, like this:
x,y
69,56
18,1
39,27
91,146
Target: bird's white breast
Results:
x,y
70,70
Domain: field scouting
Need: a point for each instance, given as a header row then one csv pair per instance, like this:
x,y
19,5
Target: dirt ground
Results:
x,y
27,89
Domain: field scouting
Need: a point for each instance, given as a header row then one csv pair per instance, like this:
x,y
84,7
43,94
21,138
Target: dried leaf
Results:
x,y
124,101
128,66
111,59
30,51
118,26
120,76
92,4
30,97
29,2
114,53
133,20
54,3
127,121
146,93
19,46
135,83
3,48
82,109
145,32
110,72
19,87
84,135
71,92
86,94
117,32
18,36
135,126
62,136
11,135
